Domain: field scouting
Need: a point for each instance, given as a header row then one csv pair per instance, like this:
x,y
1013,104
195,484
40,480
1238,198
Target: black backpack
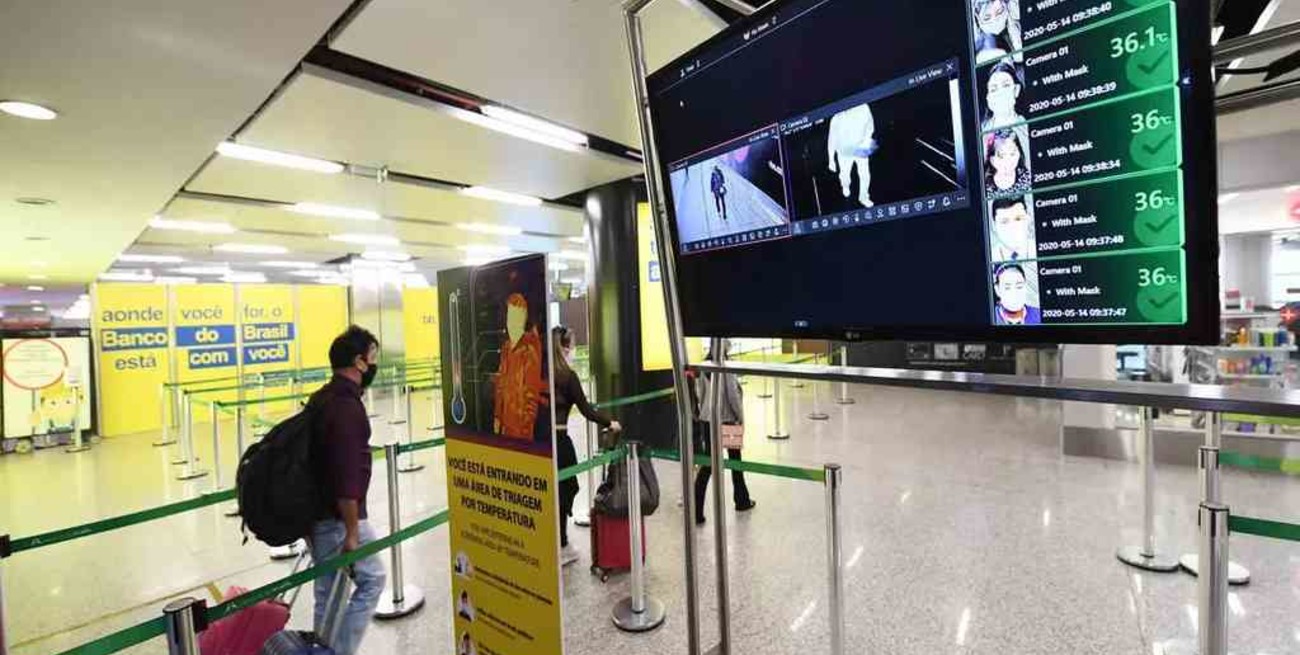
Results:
x,y
278,491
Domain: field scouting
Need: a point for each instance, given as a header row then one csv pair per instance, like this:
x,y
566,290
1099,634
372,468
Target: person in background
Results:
x,y
732,407
341,450
718,184
569,394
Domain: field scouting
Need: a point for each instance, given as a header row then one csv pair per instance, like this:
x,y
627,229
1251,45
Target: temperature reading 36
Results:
x,y
1155,277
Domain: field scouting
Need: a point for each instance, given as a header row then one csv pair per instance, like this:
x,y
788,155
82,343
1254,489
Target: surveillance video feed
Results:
x,y
732,194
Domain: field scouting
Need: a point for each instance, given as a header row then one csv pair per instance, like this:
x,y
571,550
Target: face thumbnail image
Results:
x,y
738,191
1011,229
997,28
889,150
1002,84
1006,162
1015,289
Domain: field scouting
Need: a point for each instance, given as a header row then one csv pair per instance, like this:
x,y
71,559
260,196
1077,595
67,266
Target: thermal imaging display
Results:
x,y
1004,170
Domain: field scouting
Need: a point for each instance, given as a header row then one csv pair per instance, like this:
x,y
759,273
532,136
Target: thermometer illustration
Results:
x,y
457,390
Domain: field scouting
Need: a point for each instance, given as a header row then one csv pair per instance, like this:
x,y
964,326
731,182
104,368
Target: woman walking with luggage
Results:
x,y
569,394
731,405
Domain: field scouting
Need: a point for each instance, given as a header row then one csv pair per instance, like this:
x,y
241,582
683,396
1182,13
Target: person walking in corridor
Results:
x,y
719,185
731,405
342,456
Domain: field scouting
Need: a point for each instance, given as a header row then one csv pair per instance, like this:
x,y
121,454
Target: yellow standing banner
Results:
x,y
268,339
131,344
501,467
322,315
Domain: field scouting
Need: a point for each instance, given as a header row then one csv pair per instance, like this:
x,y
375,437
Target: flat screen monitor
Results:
x,y
1032,171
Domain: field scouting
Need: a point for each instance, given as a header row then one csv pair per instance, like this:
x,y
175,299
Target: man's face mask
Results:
x,y
368,375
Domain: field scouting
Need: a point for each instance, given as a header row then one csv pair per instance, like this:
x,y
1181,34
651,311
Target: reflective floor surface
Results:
x,y
965,531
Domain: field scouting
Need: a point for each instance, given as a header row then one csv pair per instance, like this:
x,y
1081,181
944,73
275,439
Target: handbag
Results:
x,y
732,436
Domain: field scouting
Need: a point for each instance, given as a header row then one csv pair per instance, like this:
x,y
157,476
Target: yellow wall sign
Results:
x,y
205,332
323,315
267,327
420,323
132,342
501,470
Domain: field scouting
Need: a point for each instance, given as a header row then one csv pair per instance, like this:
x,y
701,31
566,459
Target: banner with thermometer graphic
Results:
x,y
501,471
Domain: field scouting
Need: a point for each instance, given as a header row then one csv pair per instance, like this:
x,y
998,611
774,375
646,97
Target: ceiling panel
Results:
x,y
306,236
323,118
1277,13
577,70
145,89
250,180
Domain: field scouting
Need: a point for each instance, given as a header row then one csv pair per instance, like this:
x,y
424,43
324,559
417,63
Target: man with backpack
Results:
x,y
341,448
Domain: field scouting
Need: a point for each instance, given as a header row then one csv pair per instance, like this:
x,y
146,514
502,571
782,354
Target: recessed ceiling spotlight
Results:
x,y
28,110
34,201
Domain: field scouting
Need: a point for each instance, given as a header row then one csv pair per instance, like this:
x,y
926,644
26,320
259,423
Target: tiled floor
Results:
x,y
965,531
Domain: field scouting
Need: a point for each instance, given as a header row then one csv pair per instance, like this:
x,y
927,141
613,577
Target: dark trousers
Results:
x,y
566,456
720,201
739,490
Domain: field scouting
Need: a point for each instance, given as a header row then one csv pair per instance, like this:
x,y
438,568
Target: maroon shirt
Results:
x,y
342,434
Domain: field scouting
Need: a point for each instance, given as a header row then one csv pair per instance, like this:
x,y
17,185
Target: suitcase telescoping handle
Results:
x,y
337,604
290,596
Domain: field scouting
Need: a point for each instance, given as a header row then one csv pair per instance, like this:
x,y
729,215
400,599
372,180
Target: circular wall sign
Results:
x,y
34,364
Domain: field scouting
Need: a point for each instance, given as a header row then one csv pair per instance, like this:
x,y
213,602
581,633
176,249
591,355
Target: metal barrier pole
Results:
x,y
370,401
817,414
1212,587
190,469
167,404
240,431
217,483
4,554
585,519
1144,555
797,383
638,612
183,622
78,440
778,429
716,380
402,598
834,560
844,398
182,423
768,382
410,465
1212,493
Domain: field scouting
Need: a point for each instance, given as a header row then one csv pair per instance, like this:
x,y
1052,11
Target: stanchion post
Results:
x,y
778,429
1212,494
240,439
638,612
182,425
167,405
817,414
1144,555
216,446
185,617
585,519
716,380
402,598
768,382
78,440
834,560
844,398
1212,589
5,552
370,401
796,383
409,465
189,461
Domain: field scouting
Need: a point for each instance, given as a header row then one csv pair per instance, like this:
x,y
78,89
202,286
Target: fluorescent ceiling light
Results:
x,y
479,249
488,228
385,256
1216,34
575,255
373,265
239,276
207,227
582,240
126,276
333,211
558,266
309,272
276,158
366,239
38,276
175,279
28,110
33,287
1227,198
287,264
333,279
251,248
488,193
527,122
38,308
203,270
514,130
150,259
415,280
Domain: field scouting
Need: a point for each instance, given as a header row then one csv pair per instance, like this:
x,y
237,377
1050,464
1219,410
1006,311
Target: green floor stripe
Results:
x,y
1264,528
97,527
1257,463
122,639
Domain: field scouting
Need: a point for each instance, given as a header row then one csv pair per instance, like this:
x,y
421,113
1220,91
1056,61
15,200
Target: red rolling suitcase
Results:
x,y
611,544
244,632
